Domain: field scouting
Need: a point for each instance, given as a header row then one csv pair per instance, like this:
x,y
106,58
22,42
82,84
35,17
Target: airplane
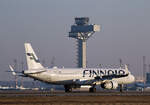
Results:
x,y
107,78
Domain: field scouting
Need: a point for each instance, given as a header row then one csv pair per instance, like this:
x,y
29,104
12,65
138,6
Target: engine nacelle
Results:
x,y
109,85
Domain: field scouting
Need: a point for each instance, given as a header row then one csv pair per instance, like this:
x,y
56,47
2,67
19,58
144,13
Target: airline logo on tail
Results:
x,y
32,60
32,57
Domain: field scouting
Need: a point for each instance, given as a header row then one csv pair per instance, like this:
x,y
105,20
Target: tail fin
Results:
x,y
32,60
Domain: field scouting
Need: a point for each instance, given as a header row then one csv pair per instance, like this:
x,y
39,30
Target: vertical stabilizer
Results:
x,y
32,60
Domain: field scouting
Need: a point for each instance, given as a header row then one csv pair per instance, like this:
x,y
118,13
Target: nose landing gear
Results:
x,y
68,88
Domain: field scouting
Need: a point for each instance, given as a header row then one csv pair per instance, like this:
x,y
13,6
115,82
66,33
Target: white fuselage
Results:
x,y
76,77
79,76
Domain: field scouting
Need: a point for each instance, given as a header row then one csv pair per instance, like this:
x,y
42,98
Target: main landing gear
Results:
x,y
121,88
68,88
92,89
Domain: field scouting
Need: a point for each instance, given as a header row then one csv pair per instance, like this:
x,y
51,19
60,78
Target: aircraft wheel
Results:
x,y
121,88
68,88
92,89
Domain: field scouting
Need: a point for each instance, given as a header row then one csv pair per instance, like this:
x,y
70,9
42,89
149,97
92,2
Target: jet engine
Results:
x,y
109,85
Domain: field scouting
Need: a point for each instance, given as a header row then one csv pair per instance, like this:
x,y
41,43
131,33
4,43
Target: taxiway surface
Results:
x,y
74,98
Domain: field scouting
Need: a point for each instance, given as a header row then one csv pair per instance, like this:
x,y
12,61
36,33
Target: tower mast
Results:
x,y
81,31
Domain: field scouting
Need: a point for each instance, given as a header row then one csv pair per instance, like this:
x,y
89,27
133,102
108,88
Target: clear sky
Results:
x,y
125,31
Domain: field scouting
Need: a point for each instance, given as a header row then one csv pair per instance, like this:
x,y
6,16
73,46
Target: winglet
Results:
x,y
12,70
126,68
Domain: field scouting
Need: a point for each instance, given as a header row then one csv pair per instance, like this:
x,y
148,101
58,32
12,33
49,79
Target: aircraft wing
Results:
x,y
109,77
15,73
99,80
12,70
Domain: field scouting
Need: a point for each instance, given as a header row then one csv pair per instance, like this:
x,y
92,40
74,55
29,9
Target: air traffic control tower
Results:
x,y
81,31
